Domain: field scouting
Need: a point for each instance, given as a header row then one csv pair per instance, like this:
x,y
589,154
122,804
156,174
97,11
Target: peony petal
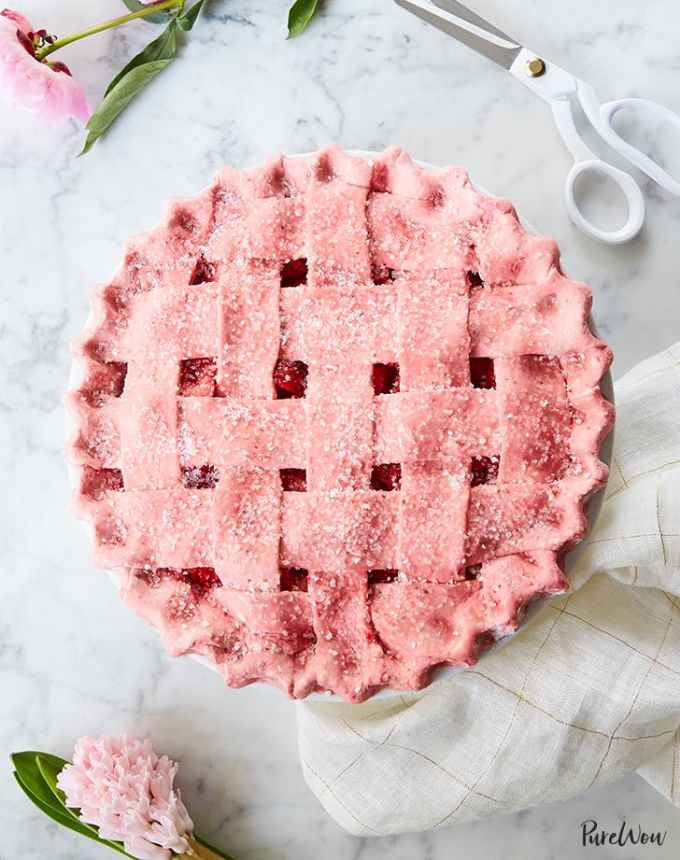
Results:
x,y
19,20
33,85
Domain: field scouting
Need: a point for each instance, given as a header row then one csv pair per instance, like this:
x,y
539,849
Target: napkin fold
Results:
x,y
587,691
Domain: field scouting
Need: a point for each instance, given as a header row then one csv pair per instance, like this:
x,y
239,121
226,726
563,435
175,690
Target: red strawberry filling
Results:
x,y
294,273
378,577
293,579
386,477
482,374
294,480
473,571
204,272
290,379
197,377
485,470
382,275
200,579
385,378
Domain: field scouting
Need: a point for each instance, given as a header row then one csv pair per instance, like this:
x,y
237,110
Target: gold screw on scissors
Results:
x,y
536,67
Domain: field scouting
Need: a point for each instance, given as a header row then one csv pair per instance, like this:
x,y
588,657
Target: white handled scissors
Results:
x,y
557,86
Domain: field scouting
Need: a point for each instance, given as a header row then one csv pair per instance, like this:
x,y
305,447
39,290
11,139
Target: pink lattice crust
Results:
x,y
337,422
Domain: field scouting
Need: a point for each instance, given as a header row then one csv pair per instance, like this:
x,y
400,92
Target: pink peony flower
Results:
x,y
122,787
43,87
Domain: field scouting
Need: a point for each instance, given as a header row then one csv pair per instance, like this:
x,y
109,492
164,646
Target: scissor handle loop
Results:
x,y
640,159
601,117
631,191
585,161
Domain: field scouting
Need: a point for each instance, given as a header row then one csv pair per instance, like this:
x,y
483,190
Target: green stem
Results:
x,y
108,25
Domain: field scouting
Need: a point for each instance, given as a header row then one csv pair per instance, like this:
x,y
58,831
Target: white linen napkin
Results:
x,y
589,690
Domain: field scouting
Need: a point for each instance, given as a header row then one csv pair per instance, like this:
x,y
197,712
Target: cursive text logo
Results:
x,y
592,834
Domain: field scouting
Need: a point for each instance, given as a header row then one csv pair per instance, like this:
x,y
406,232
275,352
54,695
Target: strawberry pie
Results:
x,y
337,422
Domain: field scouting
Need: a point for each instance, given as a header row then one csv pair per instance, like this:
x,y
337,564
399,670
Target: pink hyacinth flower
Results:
x,y
45,88
122,787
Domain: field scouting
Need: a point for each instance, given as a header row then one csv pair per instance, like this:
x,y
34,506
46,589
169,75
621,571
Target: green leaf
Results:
x,y
164,47
301,13
62,817
155,17
119,98
187,21
36,774
49,767
139,72
28,773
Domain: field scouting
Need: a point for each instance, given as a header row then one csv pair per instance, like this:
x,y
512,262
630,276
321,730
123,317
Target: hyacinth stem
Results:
x,y
108,25
199,851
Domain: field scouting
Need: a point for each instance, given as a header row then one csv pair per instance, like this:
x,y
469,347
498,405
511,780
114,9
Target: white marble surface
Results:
x,y
72,660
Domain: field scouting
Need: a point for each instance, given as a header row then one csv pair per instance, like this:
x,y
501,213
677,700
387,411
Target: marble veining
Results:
x,y
366,74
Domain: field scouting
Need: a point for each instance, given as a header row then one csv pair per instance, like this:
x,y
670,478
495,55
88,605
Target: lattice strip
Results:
x,y
537,419
530,320
228,432
434,344
249,331
347,655
532,517
147,422
245,528
432,524
448,427
340,427
340,531
276,622
336,233
320,325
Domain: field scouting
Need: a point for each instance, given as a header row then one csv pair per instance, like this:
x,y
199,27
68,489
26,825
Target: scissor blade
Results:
x,y
460,11
494,45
